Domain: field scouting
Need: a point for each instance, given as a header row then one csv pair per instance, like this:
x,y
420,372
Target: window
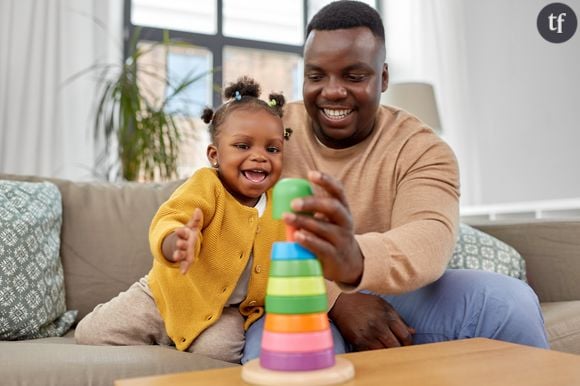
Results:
x,y
176,64
186,63
264,20
232,29
223,39
278,71
180,15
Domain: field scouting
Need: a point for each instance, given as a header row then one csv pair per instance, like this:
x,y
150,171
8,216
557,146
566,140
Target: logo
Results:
x,y
557,22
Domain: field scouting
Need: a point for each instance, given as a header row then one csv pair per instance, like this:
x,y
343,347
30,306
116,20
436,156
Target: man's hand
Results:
x,y
179,247
366,321
329,234
369,323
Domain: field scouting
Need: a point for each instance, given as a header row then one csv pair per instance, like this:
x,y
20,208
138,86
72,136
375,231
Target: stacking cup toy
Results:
x,y
296,335
297,346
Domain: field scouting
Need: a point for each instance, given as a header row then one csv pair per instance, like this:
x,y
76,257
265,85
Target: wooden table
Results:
x,y
470,362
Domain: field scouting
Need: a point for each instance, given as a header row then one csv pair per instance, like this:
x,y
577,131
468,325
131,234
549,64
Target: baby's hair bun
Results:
x,y
279,98
207,115
276,102
245,85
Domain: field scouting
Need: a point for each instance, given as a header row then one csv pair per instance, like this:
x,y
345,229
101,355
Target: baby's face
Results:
x,y
249,153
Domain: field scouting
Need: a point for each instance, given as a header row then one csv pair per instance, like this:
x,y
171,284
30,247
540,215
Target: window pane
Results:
x,y
316,5
177,64
278,21
181,15
274,71
184,63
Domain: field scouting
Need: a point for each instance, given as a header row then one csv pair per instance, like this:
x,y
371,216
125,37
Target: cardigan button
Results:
x,y
251,220
252,303
258,268
258,229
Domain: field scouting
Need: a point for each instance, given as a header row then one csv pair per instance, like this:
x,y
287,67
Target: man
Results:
x,y
387,219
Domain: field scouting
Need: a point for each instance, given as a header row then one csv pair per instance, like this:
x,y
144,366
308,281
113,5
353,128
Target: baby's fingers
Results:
x,y
184,258
196,219
184,265
179,255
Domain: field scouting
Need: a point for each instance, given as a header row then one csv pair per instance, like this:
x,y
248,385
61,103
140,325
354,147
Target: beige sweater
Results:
x,y
402,185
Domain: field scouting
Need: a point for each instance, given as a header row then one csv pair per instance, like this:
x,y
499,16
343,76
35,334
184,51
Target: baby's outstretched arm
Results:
x,y
179,246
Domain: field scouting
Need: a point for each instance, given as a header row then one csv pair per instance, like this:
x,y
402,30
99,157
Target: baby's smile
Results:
x,y
255,175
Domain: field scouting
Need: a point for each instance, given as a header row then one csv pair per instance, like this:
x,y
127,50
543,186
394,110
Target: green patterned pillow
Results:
x,y
32,302
478,250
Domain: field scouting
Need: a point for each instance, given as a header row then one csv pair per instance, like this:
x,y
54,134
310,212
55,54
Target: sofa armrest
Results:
x,y
551,249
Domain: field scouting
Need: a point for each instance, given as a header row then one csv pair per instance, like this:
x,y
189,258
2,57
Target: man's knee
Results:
x,y
497,307
253,341
480,286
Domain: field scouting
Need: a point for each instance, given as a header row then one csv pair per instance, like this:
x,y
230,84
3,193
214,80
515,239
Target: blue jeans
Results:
x,y
461,304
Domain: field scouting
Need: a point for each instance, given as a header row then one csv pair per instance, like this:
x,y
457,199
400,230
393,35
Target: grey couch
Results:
x,y
104,249
551,249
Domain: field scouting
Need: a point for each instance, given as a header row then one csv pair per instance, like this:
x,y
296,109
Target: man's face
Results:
x,y
344,76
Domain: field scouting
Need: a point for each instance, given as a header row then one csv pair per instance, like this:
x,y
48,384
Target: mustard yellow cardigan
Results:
x,y
192,302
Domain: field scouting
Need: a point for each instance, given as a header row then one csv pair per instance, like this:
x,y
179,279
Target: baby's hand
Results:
x,y
185,241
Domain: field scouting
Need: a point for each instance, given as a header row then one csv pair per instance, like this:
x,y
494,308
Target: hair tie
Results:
x,y
272,102
237,96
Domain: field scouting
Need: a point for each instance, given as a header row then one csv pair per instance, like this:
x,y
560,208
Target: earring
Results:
x,y
215,165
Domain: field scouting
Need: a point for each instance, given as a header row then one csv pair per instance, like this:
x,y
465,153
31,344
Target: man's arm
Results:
x,y
412,253
366,321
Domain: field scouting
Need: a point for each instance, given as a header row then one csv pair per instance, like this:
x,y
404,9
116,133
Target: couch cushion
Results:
x,y
32,298
104,237
562,320
551,248
478,250
33,364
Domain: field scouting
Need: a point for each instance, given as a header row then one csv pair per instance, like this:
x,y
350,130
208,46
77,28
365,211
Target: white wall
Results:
x,y
524,104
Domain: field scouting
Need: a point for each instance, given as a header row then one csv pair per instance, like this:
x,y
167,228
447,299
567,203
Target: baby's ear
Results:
x,y
212,155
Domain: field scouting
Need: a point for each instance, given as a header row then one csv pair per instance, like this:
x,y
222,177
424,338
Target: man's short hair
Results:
x,y
346,14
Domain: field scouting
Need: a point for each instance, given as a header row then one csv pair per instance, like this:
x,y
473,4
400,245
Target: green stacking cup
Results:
x,y
277,304
285,191
290,268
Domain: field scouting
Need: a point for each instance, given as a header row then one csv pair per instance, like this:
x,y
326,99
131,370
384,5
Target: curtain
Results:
x,y
425,43
46,112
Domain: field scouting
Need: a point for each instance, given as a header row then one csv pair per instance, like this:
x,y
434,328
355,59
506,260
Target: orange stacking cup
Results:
x,y
296,322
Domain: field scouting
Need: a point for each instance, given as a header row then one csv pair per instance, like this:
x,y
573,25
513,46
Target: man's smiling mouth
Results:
x,y
255,175
336,114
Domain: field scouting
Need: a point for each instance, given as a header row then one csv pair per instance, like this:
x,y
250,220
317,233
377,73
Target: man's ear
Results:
x,y
385,77
212,155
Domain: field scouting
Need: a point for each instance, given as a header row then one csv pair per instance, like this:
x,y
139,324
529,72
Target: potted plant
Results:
x,y
141,138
